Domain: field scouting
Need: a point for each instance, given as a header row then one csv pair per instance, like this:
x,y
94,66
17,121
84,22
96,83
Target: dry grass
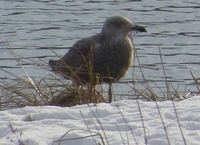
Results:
x,y
25,92
52,90
87,134
146,91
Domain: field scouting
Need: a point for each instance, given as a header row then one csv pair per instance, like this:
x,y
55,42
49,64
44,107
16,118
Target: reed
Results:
x,y
53,90
49,90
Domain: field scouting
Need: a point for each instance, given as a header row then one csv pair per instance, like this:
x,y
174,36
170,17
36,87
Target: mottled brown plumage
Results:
x,y
107,55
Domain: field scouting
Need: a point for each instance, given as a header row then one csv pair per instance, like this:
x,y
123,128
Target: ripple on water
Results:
x,y
174,27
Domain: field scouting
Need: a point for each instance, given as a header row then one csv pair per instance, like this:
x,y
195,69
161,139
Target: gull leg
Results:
x,y
110,92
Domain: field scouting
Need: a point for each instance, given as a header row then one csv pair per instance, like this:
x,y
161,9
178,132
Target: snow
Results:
x,y
118,123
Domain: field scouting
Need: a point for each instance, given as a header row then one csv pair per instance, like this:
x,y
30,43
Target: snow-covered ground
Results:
x,y
117,123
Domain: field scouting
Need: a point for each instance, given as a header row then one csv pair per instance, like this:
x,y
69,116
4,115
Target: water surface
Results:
x,y
31,27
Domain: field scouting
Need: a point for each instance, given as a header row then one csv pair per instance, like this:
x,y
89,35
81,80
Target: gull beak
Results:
x,y
138,28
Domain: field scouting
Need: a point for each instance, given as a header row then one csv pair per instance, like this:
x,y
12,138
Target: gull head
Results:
x,y
120,26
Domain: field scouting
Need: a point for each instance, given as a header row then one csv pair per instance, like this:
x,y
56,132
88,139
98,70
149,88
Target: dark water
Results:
x,y
174,27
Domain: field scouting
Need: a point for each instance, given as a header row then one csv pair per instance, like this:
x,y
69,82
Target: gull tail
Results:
x,y
53,64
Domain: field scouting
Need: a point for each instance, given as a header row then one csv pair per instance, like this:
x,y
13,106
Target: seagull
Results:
x,y
101,58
